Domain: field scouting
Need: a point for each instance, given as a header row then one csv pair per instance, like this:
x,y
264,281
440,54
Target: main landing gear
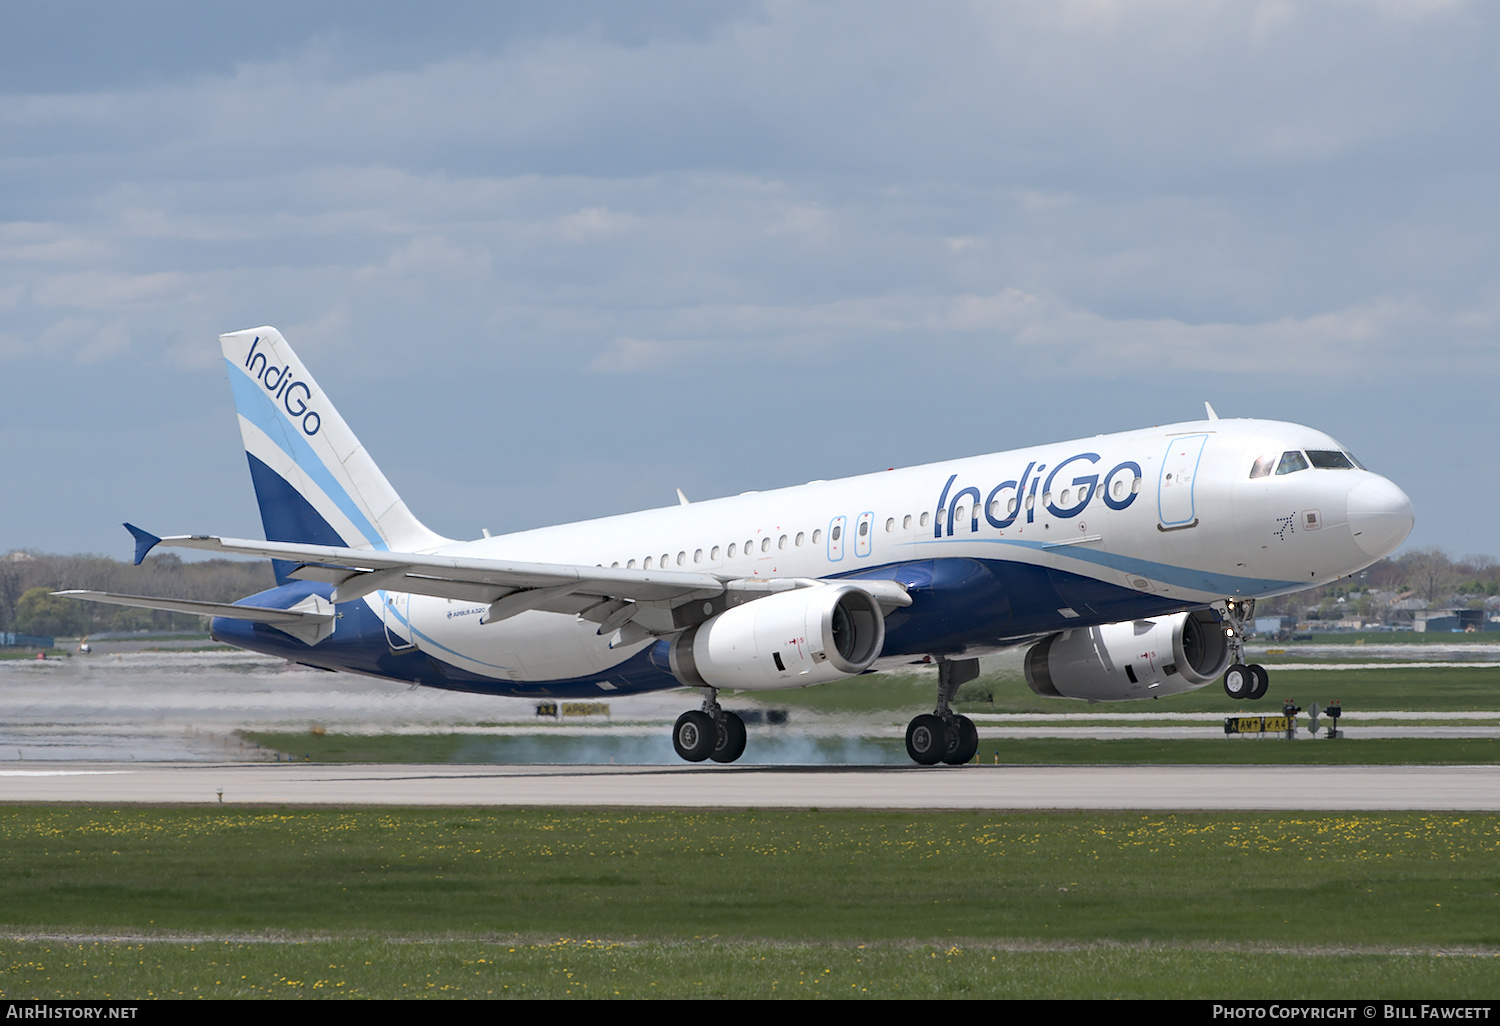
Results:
x,y
942,735
710,733
1241,681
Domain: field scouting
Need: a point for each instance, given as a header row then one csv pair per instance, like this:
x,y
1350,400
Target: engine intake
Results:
x,y
1135,659
789,639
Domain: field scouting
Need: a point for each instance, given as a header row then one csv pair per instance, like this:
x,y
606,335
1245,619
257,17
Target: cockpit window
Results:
x,y
1329,459
1291,462
1354,461
1262,467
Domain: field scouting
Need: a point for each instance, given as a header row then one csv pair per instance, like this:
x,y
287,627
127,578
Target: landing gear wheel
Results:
x,y
1237,681
730,739
963,741
927,739
1260,681
695,736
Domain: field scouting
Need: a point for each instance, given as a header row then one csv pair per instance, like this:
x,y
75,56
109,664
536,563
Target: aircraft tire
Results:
x,y
695,736
927,739
1237,681
730,744
1260,681
964,742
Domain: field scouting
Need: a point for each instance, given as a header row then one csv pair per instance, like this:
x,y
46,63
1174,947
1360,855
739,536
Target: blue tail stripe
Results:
x,y
287,516
258,408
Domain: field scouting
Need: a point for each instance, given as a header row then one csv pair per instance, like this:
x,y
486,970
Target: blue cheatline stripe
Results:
x,y
260,409
1178,576
434,643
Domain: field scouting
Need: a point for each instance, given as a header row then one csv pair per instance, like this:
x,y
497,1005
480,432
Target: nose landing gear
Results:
x,y
1241,681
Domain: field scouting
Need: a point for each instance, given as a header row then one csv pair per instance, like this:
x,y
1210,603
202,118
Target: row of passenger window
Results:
x,y
1292,461
923,520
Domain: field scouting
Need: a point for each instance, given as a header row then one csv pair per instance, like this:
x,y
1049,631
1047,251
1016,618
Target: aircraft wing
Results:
x,y
650,601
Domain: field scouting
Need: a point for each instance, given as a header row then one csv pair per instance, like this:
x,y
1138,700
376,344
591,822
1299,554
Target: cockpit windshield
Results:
x,y
1329,459
1292,461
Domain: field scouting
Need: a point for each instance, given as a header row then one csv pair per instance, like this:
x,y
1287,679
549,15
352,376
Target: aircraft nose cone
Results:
x,y
1380,516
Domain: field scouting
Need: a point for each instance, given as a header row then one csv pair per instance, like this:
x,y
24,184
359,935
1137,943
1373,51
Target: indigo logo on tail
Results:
x,y
278,381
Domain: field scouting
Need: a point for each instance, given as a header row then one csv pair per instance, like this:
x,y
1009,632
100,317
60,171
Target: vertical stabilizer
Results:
x,y
314,481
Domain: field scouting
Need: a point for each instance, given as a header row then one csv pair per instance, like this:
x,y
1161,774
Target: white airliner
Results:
x,y
1129,563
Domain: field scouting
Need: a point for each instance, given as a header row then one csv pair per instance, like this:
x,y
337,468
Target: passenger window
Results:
x,y
837,532
800,536
647,564
697,555
924,519
732,550
864,528
1291,462
781,544
890,525
765,544
715,553
906,522
1329,459
817,536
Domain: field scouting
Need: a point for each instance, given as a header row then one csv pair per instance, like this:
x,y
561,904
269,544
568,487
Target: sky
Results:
x,y
554,261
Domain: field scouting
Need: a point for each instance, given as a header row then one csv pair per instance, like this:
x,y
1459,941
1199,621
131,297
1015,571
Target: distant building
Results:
x,y
1444,621
10,639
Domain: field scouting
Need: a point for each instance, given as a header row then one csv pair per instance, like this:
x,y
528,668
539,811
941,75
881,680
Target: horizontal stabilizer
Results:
x,y
312,618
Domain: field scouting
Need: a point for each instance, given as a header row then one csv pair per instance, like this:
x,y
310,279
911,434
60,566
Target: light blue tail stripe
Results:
x,y
259,409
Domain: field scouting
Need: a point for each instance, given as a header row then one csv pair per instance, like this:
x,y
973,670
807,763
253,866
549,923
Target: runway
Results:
x,y
1323,788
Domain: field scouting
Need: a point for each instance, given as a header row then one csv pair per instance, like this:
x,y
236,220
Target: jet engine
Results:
x,y
788,639
1165,655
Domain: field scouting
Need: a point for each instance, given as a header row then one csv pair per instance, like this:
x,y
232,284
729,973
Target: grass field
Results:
x,y
131,902
547,903
1454,688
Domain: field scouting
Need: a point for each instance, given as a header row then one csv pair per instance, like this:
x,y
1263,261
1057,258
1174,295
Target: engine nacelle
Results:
x,y
1166,655
788,639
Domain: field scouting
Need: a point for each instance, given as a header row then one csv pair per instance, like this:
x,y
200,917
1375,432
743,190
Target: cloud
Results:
x,y
813,203
635,355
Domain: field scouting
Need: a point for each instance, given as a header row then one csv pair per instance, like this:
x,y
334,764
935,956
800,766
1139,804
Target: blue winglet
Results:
x,y
145,541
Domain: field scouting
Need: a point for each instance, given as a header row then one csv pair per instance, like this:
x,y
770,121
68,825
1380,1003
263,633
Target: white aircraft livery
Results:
x,y
1129,564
